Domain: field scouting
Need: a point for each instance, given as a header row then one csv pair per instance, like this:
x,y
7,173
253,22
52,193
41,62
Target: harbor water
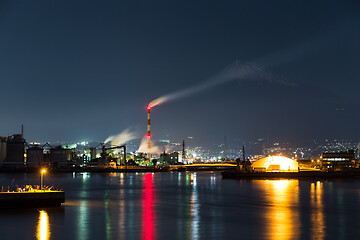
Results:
x,y
186,205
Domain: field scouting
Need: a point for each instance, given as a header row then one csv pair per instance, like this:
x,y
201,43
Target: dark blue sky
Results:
x,y
84,70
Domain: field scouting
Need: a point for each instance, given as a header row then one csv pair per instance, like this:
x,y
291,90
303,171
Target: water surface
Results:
x,y
186,206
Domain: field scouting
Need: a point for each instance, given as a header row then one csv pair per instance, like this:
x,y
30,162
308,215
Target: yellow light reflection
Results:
x,y
282,218
317,211
43,228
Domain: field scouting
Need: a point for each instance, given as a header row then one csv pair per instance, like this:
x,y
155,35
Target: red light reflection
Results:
x,y
148,215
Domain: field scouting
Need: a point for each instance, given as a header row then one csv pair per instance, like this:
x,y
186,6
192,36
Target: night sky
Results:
x,y
84,70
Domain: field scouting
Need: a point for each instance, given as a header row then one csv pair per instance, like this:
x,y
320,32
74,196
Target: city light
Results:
x,y
43,171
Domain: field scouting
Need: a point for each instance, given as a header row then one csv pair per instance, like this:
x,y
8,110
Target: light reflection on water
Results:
x,y
148,215
317,211
43,227
194,209
83,209
192,206
281,214
122,212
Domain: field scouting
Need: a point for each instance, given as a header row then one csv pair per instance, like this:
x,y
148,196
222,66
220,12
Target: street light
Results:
x,y
42,178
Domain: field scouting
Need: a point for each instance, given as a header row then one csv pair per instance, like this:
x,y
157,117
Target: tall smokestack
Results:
x,y
148,135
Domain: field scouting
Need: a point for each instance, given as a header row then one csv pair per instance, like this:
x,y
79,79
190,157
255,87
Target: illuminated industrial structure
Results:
x,y
12,150
338,156
35,156
337,161
148,135
275,163
169,158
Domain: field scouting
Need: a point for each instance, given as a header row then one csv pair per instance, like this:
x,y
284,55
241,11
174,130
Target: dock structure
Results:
x,y
291,175
35,198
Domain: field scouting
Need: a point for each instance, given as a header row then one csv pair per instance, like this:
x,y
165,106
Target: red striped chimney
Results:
x,y
148,135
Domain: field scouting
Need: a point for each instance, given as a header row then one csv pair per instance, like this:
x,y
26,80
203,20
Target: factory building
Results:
x,y
15,149
169,159
60,156
337,161
12,151
275,164
338,156
92,154
35,156
2,148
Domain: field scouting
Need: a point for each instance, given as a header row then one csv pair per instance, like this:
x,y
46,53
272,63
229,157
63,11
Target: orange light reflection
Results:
x,y
282,218
317,211
43,227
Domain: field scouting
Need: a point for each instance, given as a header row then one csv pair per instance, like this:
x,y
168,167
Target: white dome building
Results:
x,y
275,164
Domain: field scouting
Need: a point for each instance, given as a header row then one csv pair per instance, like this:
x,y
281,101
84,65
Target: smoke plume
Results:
x,y
144,147
235,71
242,71
123,137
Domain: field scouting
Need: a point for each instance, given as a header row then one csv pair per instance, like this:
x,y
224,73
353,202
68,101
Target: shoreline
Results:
x,y
347,174
179,168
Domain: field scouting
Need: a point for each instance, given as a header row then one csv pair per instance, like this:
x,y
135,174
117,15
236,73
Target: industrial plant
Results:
x,y
17,154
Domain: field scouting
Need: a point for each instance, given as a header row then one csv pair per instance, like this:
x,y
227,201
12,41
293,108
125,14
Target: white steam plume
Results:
x,y
235,71
241,71
123,137
144,147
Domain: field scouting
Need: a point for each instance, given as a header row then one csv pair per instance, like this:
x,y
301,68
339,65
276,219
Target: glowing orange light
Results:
x,y
43,171
275,163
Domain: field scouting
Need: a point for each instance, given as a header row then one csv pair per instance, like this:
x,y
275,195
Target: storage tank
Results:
x,y
2,149
35,156
15,149
58,155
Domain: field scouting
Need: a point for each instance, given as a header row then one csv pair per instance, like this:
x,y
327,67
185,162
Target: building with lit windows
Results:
x,y
338,156
169,159
337,161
